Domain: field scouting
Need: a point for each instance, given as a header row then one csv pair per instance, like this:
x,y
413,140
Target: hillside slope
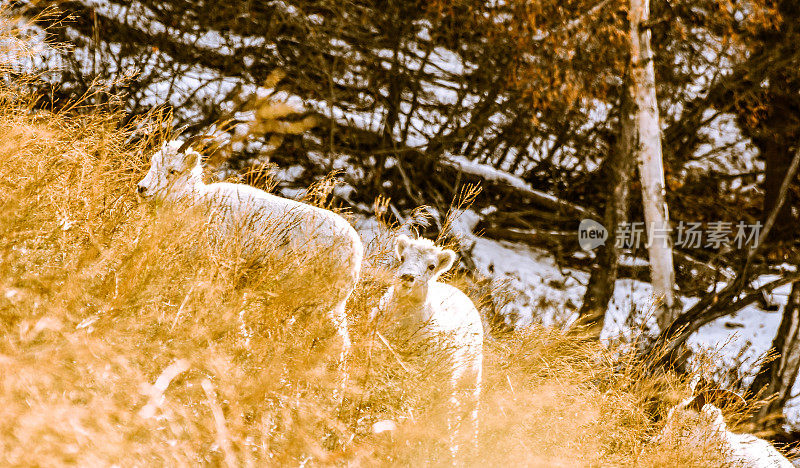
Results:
x,y
128,338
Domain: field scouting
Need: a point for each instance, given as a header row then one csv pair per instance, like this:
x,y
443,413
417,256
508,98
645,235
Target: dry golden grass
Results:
x,y
121,342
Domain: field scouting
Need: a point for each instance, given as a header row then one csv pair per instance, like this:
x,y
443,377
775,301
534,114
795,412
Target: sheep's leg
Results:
x,y
465,403
339,318
475,402
244,330
455,417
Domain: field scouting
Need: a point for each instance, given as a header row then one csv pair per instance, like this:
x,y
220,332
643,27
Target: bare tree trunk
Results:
x,y
618,171
777,157
651,166
776,378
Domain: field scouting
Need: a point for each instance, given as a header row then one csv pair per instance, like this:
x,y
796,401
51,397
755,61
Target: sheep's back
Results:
x,y
265,208
453,310
256,215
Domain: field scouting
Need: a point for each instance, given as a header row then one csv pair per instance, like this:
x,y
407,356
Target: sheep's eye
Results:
x,y
431,266
173,172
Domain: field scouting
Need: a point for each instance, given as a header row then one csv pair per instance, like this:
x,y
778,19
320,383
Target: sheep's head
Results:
x,y
420,262
695,427
174,171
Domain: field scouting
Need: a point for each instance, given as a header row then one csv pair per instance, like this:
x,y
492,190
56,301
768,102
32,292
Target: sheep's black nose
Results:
x,y
140,189
408,278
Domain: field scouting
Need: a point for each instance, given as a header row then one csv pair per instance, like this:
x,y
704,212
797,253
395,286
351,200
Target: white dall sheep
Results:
x,y
699,424
175,175
419,304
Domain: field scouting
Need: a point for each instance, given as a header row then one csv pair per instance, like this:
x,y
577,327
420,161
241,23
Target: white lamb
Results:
x,y
419,304
697,423
175,175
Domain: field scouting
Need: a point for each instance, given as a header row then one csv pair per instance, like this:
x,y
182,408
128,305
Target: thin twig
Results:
x,y
180,309
394,353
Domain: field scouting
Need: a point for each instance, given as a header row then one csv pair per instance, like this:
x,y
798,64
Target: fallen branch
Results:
x,y
723,303
534,237
515,184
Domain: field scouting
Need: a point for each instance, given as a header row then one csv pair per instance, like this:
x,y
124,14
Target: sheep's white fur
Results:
x,y
246,211
420,304
708,428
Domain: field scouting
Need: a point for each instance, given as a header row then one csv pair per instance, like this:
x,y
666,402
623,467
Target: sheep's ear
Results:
x,y
191,158
446,258
400,245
